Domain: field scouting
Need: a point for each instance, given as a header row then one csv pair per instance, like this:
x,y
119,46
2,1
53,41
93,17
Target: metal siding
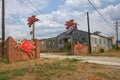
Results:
x,y
51,44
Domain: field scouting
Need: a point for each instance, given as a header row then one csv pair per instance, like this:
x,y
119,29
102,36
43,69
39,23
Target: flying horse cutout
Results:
x,y
27,46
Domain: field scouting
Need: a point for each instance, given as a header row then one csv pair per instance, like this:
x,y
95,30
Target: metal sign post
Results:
x,y
71,26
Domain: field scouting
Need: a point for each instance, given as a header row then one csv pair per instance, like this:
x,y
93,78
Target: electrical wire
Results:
x,y
100,14
42,13
28,7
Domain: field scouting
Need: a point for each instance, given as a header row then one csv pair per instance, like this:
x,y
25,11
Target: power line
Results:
x,y
111,4
41,12
100,14
28,7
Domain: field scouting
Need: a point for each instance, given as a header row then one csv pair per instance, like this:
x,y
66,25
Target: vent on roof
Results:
x,y
97,33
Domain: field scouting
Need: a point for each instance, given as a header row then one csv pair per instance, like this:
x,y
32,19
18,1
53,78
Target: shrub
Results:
x,y
101,50
68,47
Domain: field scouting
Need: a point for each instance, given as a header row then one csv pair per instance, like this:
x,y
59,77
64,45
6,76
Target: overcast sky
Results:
x,y
54,13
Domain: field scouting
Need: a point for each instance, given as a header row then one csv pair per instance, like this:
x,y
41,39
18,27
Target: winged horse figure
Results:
x,y
27,46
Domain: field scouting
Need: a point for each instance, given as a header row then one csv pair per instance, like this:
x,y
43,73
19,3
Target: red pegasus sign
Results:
x,y
27,46
70,26
69,23
31,20
78,46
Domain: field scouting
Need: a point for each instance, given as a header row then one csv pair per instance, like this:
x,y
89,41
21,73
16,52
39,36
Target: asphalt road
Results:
x,y
113,61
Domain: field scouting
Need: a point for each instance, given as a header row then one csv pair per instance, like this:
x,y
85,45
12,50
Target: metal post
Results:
x,y
71,45
33,31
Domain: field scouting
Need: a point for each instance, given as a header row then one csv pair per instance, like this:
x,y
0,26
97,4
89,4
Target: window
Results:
x,y
83,40
95,41
53,42
60,41
42,42
100,41
49,42
104,42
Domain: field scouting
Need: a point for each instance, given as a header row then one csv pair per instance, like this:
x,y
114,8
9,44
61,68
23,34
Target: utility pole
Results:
x,y
3,28
89,32
117,34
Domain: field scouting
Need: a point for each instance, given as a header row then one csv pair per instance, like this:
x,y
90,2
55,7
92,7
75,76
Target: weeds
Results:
x,y
4,77
20,72
69,69
59,66
99,74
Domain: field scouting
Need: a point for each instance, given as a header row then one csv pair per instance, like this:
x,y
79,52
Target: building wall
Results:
x,y
99,42
77,35
43,45
51,44
110,43
112,38
62,39
80,36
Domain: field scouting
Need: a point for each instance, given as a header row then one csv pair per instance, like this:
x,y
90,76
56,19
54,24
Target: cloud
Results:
x,y
96,2
51,24
76,3
24,8
112,12
17,31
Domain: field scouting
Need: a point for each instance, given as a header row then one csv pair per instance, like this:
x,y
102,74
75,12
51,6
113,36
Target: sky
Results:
x,y
54,13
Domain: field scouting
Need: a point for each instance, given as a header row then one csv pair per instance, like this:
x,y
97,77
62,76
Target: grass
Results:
x,y
52,69
107,54
8,74
100,74
4,77
20,72
72,60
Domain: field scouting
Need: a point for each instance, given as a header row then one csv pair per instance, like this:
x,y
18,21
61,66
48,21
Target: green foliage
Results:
x,y
72,60
115,47
101,50
4,77
59,66
42,72
68,46
20,72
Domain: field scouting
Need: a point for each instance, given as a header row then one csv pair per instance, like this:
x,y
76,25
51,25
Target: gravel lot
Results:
x,y
92,59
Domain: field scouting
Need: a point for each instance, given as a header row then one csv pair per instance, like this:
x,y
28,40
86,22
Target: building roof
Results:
x,y
80,31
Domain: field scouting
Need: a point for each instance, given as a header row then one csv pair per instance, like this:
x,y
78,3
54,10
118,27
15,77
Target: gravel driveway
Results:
x,y
91,59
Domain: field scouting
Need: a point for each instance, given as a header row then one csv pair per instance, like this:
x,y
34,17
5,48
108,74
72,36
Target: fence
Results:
x,y
16,54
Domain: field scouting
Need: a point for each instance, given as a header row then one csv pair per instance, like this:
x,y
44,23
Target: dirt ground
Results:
x,y
54,69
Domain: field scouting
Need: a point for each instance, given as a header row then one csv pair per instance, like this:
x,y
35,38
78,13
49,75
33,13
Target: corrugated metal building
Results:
x,y
58,43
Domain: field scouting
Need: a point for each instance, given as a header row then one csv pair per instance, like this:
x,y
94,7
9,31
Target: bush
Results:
x,y
101,50
68,47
